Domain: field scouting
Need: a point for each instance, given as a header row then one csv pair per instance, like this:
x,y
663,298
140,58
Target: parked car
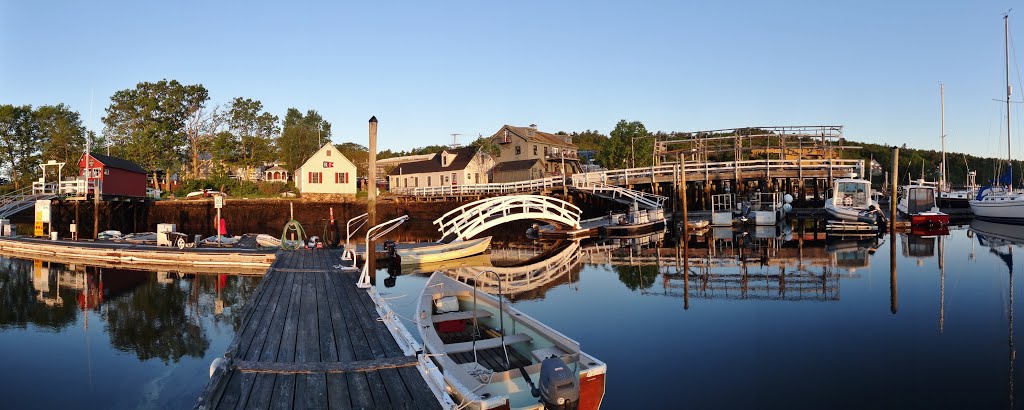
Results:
x,y
153,193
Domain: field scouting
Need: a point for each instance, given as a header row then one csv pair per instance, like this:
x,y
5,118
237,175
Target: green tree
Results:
x,y
62,135
200,126
486,146
251,132
630,145
358,154
301,136
19,141
146,124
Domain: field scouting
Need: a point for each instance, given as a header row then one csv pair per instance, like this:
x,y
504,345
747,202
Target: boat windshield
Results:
x,y
853,194
920,200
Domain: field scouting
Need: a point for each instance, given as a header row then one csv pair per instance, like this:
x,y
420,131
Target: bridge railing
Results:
x,y
643,174
468,220
483,189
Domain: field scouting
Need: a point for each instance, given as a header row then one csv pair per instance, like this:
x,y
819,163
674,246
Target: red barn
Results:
x,y
118,177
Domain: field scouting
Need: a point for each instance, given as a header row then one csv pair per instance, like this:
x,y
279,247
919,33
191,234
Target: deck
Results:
x,y
311,339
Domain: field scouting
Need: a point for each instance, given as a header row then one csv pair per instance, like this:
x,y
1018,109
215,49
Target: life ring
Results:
x,y
848,201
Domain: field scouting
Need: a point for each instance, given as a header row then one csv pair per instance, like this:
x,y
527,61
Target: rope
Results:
x,y
294,229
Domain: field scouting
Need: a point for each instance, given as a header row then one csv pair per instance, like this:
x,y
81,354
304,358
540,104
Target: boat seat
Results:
x,y
464,315
486,343
540,354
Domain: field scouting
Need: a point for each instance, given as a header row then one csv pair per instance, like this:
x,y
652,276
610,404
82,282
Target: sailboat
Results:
x,y
949,201
997,204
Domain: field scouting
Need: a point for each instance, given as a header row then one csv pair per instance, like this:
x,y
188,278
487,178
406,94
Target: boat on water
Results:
x,y
993,203
852,201
443,251
495,357
917,203
481,260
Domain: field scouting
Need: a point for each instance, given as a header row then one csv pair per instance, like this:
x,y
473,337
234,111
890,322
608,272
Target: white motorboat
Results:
x,y
851,201
495,357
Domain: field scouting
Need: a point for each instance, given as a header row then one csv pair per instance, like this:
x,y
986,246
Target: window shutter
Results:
x,y
311,177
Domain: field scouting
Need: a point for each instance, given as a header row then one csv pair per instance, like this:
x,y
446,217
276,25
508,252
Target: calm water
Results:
x,y
761,321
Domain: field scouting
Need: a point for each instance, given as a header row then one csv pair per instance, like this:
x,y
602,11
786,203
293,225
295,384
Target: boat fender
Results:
x,y
217,363
559,388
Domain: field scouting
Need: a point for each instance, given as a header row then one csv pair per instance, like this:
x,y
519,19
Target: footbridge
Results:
x,y
627,196
469,220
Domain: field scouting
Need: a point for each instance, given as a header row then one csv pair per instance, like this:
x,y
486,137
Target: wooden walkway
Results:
x,y
311,339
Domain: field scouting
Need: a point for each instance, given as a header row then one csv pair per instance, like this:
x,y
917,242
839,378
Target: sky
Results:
x,y
427,70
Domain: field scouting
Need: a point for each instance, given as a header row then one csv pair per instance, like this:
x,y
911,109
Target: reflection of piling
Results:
x,y
371,200
893,298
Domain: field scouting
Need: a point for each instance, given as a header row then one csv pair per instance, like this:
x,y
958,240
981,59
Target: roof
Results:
x,y
534,135
462,158
275,168
114,162
516,165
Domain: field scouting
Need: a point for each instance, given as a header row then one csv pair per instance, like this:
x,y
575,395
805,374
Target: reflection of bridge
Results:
x,y
469,220
519,279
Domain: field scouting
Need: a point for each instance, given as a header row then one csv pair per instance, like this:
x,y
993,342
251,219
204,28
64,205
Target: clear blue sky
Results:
x,y
428,69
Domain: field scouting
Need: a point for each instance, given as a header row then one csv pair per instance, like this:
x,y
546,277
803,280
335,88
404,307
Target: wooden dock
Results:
x,y
311,339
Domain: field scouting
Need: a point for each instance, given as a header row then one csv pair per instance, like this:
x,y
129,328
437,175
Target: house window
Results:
x,y
519,150
428,180
328,153
545,151
316,177
106,171
453,178
406,182
444,160
341,177
476,177
535,150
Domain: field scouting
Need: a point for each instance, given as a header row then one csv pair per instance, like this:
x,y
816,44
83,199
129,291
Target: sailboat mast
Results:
x,y
1006,51
942,131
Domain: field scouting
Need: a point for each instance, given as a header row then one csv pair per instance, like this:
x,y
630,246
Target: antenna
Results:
x,y
455,140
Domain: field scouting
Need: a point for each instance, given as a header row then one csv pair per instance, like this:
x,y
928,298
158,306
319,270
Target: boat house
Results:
x,y
118,177
451,167
526,153
326,172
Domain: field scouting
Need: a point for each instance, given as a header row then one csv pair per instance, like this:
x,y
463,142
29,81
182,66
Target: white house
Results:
x,y
451,167
326,172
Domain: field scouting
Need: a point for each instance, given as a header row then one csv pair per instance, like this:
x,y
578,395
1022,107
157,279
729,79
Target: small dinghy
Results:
x,y
443,251
496,357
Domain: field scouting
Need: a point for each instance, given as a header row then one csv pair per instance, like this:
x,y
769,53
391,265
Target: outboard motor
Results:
x,y
559,388
389,248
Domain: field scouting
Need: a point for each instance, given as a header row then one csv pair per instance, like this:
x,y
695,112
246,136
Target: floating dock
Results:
x,y
311,339
136,255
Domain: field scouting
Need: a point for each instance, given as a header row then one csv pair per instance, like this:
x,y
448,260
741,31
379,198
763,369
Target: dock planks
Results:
x,y
311,339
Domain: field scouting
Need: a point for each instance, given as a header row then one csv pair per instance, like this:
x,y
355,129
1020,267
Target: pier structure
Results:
x,y
310,338
802,160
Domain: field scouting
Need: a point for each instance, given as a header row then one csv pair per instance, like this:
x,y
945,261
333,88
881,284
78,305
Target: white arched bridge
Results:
x,y
469,220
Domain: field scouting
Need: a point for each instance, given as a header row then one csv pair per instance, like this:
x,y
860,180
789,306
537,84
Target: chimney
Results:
x,y
534,126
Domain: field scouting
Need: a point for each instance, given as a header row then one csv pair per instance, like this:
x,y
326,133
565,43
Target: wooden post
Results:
x,y
892,193
95,206
371,202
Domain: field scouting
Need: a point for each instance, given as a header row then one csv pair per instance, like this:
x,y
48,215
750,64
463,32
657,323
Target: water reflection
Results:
x,y
171,319
1001,239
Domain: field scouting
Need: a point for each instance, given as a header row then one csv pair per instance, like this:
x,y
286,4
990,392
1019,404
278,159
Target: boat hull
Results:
x,y
845,213
443,252
1009,211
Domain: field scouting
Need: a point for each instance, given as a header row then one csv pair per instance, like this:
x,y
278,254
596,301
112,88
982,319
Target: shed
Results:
x,y
118,177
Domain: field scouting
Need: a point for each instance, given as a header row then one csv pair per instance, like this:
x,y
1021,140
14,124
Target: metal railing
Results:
x,y
467,221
